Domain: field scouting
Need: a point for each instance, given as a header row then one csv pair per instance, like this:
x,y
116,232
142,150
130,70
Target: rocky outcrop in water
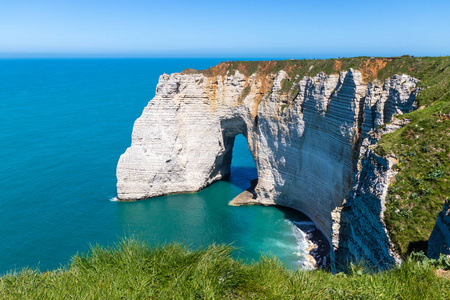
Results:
x,y
305,137
439,241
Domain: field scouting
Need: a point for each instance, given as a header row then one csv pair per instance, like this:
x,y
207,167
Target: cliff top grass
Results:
x,y
422,147
423,150
379,68
133,270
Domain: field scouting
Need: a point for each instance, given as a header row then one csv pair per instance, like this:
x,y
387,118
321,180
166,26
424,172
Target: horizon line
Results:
x,y
4,56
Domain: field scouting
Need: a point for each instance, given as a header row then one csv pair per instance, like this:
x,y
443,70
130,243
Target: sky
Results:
x,y
269,29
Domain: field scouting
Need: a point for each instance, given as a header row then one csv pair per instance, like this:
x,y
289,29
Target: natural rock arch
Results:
x,y
305,149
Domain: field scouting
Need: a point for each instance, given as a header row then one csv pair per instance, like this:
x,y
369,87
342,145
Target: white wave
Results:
x,y
114,199
308,223
301,230
300,236
277,243
304,222
305,226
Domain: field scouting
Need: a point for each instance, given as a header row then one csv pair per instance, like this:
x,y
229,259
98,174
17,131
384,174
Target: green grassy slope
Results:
x,y
132,270
423,150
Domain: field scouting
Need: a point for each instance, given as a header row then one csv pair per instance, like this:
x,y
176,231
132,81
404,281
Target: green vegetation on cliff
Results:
x,y
423,150
133,270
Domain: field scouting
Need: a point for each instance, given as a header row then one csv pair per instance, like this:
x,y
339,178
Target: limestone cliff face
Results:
x,y
440,237
358,230
306,143
183,141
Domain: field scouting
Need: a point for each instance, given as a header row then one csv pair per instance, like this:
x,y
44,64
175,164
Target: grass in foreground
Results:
x,y
133,270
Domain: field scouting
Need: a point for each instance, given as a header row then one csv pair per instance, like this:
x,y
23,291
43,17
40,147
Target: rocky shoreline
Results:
x,y
318,248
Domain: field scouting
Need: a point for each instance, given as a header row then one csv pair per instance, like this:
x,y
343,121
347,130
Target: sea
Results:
x,y
63,125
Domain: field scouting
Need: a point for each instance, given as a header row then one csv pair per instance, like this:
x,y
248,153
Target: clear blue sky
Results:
x,y
263,28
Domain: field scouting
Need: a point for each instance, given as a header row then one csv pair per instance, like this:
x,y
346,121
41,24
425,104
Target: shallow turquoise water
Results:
x,y
63,126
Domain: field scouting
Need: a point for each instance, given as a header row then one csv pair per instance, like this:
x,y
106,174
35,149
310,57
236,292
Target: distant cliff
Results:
x,y
312,137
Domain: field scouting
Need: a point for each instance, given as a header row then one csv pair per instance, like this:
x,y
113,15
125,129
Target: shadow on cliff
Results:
x,y
418,246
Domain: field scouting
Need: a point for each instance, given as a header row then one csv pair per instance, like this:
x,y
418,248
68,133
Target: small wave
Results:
x,y
300,223
114,199
306,226
300,236
277,243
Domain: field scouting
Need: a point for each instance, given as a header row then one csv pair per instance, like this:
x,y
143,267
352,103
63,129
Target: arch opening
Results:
x,y
243,171
237,162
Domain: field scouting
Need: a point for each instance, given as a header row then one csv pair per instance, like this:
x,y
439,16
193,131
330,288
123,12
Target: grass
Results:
x,y
133,270
423,151
245,93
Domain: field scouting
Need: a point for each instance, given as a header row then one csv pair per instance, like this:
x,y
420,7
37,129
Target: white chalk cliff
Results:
x,y
312,144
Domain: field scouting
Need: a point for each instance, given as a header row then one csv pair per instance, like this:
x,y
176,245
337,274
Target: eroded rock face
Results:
x,y
305,143
358,230
439,241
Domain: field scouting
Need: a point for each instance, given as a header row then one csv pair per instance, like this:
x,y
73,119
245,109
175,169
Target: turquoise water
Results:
x,y
63,126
